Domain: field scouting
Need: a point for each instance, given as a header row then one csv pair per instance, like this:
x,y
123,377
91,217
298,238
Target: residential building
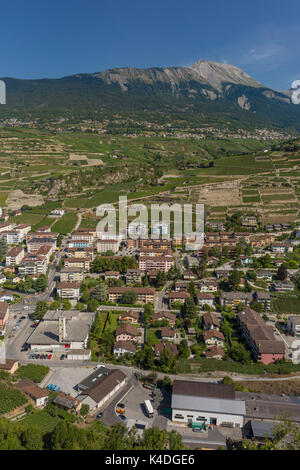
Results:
x,y
205,299
165,315
178,297
71,274
126,332
124,347
284,286
260,337
33,265
34,244
158,348
145,295
4,312
210,321
213,338
215,352
39,395
133,276
9,365
233,299
167,333
14,256
158,263
108,245
130,316
78,263
68,290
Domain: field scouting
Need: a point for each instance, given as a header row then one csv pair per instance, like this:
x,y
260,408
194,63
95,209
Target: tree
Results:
x,y
148,312
129,297
282,273
92,305
148,357
234,279
100,292
167,358
40,310
189,309
239,353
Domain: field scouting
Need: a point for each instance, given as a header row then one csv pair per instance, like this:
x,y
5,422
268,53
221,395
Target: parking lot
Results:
x,y
68,377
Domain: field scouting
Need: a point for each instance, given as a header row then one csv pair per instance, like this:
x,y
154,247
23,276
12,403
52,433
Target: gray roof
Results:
x,y
206,397
262,428
263,406
218,405
93,378
77,328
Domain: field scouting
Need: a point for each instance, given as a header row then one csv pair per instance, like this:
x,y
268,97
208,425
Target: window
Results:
x,y
179,417
201,418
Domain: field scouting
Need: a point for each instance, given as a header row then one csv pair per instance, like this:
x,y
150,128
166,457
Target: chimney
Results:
x,y
62,333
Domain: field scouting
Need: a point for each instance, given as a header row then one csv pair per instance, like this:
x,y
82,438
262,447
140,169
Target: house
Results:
x,y
245,260
215,352
282,247
145,295
221,273
159,316
126,332
9,365
57,212
39,395
124,347
103,389
205,299
208,287
131,316
264,275
249,221
213,338
67,403
178,297
23,229
260,337
167,333
68,290
112,275
200,403
14,256
189,275
181,285
212,261
158,348
210,321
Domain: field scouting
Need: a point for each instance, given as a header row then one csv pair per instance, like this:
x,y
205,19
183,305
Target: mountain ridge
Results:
x,y
205,88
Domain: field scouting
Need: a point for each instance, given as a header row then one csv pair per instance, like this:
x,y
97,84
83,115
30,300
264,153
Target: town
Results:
x,y
145,332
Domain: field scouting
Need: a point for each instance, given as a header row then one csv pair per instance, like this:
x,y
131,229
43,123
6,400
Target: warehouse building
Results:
x,y
103,389
200,403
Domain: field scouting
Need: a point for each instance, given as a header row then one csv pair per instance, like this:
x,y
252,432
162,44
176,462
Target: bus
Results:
x,y
148,408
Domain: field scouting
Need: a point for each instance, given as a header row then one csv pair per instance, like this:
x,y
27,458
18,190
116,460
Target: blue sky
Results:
x,y
43,38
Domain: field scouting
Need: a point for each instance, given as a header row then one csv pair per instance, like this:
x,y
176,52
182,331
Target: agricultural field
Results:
x,y
284,304
10,398
75,170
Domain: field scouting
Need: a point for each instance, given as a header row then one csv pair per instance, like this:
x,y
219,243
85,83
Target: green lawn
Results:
x,y
286,305
42,419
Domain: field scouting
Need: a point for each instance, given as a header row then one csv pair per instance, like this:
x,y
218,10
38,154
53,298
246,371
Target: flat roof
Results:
x,y
203,404
93,378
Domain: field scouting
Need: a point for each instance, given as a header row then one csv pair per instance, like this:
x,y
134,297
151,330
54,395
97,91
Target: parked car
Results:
x,y
50,356
122,417
99,415
198,430
46,356
120,405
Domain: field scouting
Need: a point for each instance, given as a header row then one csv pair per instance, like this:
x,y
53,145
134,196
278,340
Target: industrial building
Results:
x,y
201,403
